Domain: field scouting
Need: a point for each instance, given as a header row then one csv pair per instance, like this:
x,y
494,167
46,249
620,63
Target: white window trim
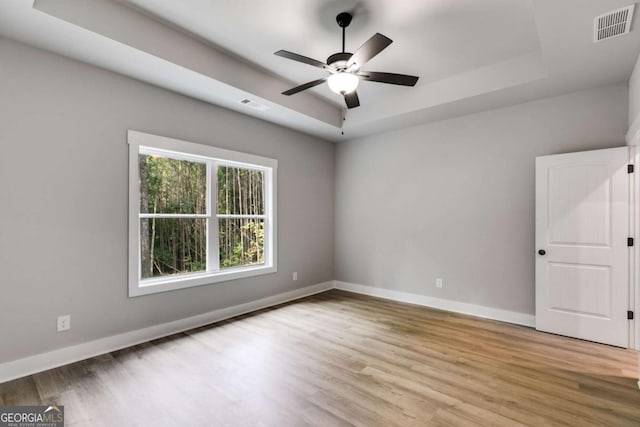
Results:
x,y
176,147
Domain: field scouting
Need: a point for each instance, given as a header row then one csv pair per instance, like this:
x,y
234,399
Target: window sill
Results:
x,y
164,284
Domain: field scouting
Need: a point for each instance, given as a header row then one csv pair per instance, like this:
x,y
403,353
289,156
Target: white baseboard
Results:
x,y
442,304
53,359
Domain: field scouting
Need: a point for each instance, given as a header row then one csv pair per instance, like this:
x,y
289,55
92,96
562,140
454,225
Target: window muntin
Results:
x,y
180,241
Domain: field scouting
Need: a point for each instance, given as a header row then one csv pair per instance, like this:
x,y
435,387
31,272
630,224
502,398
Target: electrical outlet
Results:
x,y
64,323
295,275
439,283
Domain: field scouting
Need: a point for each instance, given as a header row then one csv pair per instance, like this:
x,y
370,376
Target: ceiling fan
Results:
x,y
345,67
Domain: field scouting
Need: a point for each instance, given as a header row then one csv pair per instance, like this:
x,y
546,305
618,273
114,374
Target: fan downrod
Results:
x,y
340,59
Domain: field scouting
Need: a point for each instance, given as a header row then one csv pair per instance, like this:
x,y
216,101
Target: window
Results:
x,y
197,214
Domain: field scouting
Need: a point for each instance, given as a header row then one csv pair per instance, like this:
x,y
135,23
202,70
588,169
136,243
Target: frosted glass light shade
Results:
x,y
343,82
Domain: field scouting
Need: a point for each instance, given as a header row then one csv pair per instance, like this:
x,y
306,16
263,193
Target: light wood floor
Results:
x,y
343,359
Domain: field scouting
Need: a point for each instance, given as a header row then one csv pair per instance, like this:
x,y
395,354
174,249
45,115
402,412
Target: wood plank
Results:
x,y
341,359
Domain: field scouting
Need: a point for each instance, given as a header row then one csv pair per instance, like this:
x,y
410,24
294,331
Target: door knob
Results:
x,y
542,252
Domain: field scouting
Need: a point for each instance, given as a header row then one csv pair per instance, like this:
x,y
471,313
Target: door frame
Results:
x,y
634,254
633,141
634,259
634,273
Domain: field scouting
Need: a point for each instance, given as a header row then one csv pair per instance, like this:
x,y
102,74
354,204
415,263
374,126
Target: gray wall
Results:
x,y
452,199
455,199
63,200
634,93
634,105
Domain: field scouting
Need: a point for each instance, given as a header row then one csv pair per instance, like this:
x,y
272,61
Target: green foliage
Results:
x,y
178,245
242,251
240,192
175,186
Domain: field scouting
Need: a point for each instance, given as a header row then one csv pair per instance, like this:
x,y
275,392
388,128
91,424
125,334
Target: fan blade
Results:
x,y
303,59
368,50
390,78
352,99
304,86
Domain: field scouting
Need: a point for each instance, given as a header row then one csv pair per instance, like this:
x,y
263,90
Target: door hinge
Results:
x,y
630,315
630,168
629,241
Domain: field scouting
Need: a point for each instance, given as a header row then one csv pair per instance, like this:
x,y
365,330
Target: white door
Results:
x,y
582,254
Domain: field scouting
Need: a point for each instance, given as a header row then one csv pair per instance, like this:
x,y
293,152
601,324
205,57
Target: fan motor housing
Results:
x,y
339,60
344,19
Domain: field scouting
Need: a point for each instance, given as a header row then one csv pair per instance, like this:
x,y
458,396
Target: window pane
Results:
x,y
172,186
241,242
240,191
172,246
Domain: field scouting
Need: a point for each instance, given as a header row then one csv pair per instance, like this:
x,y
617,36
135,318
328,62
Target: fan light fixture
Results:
x,y
346,68
342,82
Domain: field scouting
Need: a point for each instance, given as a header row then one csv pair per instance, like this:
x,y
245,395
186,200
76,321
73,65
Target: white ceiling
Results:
x,y
432,39
470,55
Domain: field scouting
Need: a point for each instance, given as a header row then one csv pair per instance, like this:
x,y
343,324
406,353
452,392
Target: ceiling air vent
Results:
x,y
613,24
253,104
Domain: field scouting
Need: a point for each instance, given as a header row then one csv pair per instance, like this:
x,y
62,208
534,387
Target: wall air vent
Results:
x,y
253,104
613,24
